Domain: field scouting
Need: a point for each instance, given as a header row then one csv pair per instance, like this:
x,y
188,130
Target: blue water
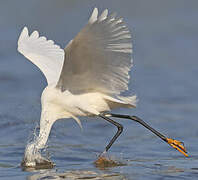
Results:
x,y
164,77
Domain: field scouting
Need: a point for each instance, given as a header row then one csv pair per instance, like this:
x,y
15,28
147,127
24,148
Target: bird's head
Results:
x,y
33,159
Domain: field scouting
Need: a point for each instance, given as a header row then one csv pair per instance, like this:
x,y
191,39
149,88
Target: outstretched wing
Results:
x,y
47,56
99,57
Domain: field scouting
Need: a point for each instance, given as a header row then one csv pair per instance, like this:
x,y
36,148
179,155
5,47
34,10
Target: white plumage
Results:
x,y
86,78
43,53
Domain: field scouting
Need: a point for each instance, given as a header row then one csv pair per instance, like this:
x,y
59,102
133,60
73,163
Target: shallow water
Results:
x,y
164,77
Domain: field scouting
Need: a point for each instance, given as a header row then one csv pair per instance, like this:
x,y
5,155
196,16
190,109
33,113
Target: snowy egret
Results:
x,y
84,79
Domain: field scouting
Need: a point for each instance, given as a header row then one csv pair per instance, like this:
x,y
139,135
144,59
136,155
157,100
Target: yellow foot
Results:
x,y
177,145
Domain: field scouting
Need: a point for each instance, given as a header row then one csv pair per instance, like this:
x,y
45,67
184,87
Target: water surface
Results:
x,y
164,77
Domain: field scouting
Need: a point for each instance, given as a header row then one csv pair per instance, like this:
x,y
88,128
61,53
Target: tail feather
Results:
x,y
129,100
121,101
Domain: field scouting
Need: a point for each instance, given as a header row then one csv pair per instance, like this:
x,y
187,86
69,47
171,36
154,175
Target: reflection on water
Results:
x,y
170,170
73,175
164,77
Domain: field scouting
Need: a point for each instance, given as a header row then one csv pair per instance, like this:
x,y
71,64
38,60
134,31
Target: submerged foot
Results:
x,y
105,161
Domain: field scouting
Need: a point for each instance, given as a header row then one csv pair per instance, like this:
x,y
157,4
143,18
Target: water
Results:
x,y
164,78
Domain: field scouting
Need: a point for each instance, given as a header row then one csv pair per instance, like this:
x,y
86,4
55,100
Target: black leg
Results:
x,y
174,143
120,129
140,121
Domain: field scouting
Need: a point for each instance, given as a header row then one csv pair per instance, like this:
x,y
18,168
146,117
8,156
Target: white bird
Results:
x,y
84,79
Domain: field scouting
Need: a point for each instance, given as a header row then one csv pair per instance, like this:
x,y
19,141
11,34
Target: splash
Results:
x,y
33,157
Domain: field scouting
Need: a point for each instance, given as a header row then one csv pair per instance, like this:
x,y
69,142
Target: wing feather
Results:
x,y
46,55
99,57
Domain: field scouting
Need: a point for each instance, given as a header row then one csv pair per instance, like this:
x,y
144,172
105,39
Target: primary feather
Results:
x,y
98,59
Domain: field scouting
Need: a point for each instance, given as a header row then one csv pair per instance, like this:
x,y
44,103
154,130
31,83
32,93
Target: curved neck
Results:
x,y
46,123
